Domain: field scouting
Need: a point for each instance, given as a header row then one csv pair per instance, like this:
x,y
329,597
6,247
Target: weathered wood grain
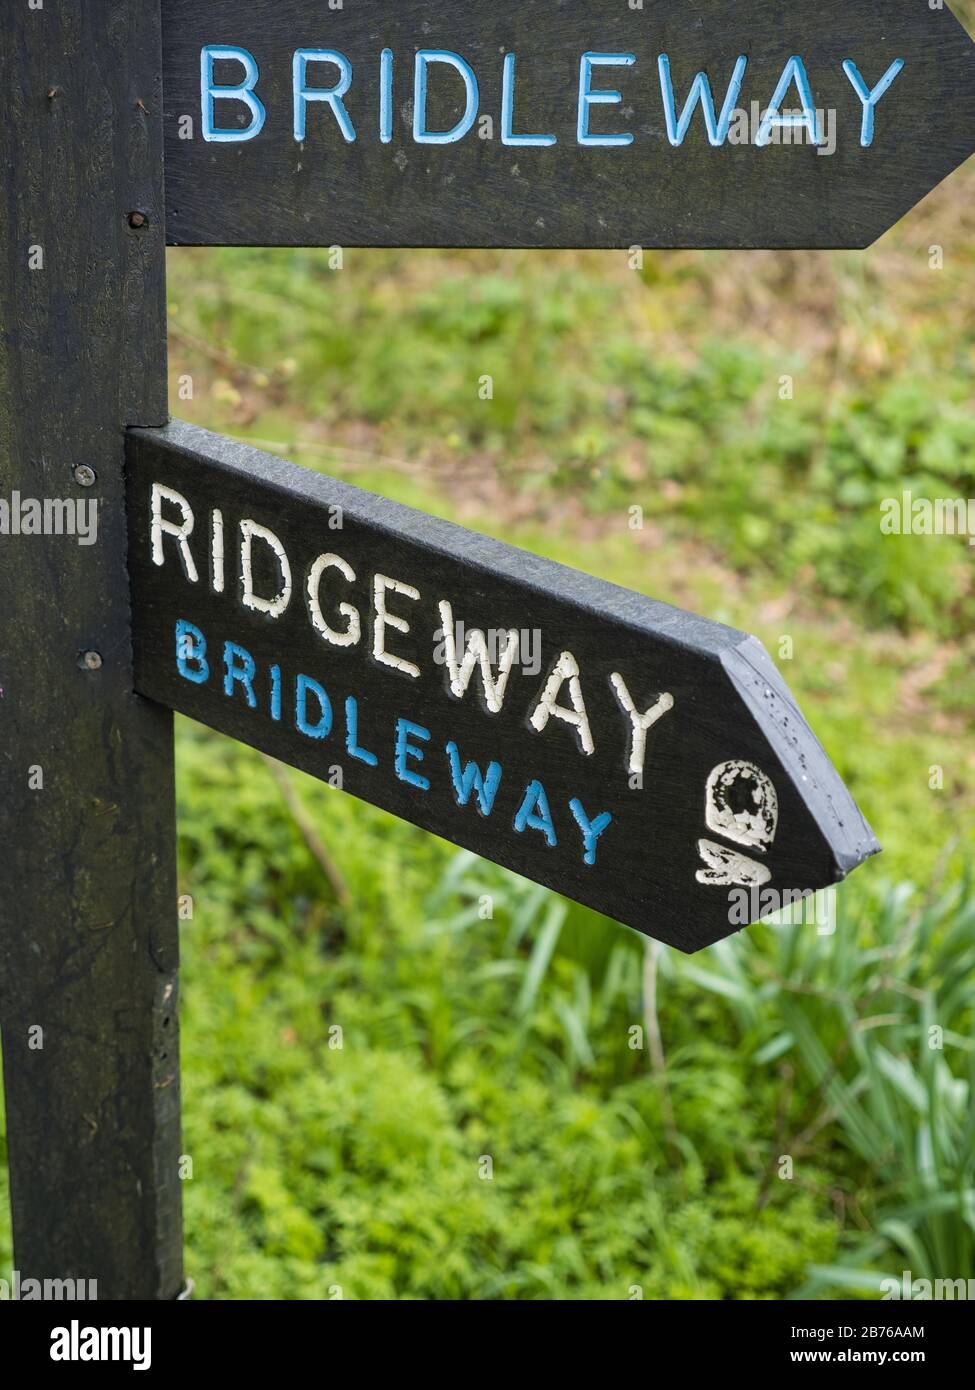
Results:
x,y
728,702
88,944
272,190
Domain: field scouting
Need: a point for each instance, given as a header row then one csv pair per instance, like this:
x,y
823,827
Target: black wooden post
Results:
x,y
88,940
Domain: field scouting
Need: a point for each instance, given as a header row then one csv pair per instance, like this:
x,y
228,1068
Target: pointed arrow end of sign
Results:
x,y
846,839
942,137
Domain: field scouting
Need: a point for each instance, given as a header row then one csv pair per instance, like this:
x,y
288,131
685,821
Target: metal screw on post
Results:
x,y
90,661
138,219
85,475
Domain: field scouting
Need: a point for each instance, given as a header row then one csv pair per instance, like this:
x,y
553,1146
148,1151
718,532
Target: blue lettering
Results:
x,y
304,685
795,71
473,780
534,814
591,829
587,97
700,92
352,734
386,96
508,110
191,645
239,665
870,98
421,135
404,750
244,92
303,94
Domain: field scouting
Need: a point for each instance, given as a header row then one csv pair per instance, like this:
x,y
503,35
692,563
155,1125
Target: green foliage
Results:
x,y
596,391
482,1017
877,1022
465,1036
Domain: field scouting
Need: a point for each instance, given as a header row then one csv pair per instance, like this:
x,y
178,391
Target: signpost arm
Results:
x,y
88,938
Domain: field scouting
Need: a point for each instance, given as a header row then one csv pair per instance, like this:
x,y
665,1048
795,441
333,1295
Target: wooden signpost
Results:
x,y
639,759
557,122
632,756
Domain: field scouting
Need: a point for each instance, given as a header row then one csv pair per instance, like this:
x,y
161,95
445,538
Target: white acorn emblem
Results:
x,y
753,824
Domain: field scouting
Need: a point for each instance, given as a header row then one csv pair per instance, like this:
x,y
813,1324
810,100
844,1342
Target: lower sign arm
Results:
x,y
642,760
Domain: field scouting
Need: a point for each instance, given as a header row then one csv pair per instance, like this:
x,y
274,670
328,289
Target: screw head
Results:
x,y
85,475
137,219
90,661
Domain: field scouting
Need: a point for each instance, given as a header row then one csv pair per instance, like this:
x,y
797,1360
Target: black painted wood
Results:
x,y
481,192
728,702
88,945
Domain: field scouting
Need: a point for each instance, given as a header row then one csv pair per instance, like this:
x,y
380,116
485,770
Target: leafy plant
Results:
x,y
878,1021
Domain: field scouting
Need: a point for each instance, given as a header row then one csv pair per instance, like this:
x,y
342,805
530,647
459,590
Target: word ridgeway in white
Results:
x,y
326,586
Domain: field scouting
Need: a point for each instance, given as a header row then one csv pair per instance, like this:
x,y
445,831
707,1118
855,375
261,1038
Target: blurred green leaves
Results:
x,y
620,389
483,1017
